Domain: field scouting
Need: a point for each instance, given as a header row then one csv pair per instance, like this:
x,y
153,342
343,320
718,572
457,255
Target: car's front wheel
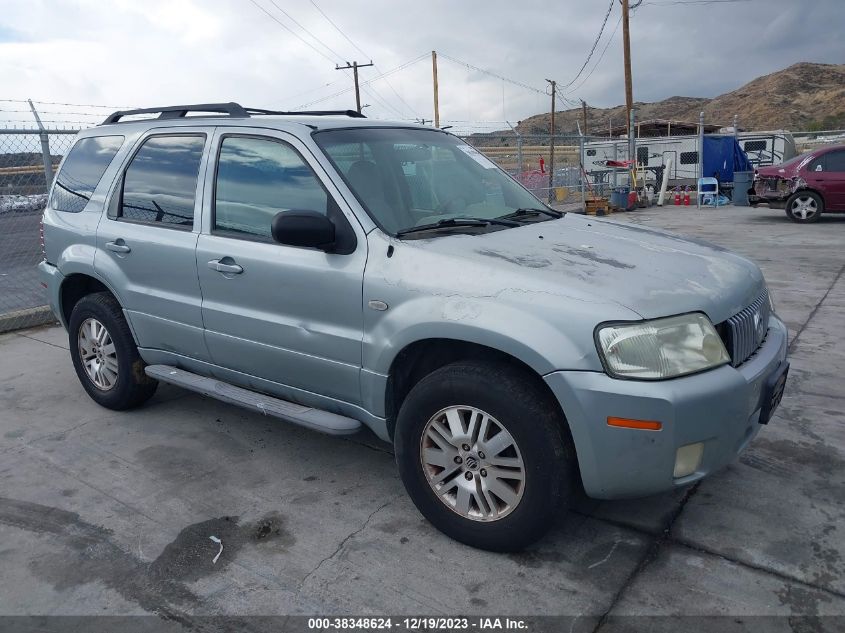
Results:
x,y
804,207
104,354
485,455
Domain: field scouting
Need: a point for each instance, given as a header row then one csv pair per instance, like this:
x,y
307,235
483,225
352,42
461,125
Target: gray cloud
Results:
x,y
168,51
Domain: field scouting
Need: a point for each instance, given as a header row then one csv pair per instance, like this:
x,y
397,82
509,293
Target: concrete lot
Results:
x,y
111,513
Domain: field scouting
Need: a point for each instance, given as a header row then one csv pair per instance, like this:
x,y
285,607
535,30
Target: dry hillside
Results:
x,y
801,97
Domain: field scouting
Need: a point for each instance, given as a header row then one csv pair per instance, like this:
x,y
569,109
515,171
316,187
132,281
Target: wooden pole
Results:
x,y
626,45
552,144
584,115
436,92
354,66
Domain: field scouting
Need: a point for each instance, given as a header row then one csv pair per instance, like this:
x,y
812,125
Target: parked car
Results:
x,y
806,186
336,272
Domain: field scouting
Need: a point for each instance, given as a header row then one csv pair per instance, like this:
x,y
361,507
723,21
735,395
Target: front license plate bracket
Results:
x,y
773,392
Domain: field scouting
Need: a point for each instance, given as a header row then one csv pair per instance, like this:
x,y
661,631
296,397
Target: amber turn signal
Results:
x,y
643,425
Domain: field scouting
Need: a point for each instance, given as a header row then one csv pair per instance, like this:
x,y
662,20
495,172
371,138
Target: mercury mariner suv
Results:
x,y
338,272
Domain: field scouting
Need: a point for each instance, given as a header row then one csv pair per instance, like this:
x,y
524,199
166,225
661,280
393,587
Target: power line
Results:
x,y
75,105
365,83
492,74
668,3
294,33
303,40
360,50
595,44
376,97
338,29
314,37
601,57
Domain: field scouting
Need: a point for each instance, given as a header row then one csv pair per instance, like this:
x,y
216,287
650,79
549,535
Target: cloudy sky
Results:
x,y
282,53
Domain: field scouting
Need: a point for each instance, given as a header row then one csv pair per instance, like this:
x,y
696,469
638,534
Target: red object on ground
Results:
x,y
542,165
632,200
677,198
686,198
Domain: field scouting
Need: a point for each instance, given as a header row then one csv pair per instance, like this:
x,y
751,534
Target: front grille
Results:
x,y
745,331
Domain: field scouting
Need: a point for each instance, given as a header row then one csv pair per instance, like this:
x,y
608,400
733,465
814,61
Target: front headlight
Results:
x,y
661,348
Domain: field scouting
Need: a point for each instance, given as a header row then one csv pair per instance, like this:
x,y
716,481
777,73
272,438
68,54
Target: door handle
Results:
x,y
118,246
220,267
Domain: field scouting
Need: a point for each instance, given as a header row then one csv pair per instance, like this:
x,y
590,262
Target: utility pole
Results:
x,y
626,45
552,143
584,115
436,97
355,66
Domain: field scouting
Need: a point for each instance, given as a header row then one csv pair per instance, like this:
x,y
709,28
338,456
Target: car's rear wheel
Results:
x,y
104,354
485,454
805,207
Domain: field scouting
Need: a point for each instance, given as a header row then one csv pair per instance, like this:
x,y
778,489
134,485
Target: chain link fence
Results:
x,y
528,158
28,160
599,164
583,167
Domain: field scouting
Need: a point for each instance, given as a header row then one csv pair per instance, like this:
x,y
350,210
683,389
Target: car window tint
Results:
x,y
85,165
160,183
258,178
835,162
817,164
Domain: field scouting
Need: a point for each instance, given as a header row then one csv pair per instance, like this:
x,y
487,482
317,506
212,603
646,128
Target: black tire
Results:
x,y
795,201
132,386
522,407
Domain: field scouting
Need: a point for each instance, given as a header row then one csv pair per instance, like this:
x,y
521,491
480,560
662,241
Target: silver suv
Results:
x,y
336,272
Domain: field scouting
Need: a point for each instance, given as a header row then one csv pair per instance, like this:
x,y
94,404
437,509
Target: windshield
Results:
x,y
408,178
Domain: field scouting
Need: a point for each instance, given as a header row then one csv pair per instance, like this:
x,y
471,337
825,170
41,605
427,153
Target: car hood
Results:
x,y
652,273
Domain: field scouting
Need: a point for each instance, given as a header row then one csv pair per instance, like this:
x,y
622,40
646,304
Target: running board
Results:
x,y
314,419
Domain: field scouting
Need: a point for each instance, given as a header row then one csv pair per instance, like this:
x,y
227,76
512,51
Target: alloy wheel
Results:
x,y
472,463
804,207
97,354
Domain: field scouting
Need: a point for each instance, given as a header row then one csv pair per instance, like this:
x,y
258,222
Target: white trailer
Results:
x,y
762,148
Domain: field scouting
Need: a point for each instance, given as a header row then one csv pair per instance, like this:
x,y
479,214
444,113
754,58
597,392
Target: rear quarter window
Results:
x,y
81,172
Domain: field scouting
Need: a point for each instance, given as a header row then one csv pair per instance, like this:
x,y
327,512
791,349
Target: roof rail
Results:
x,y
350,113
176,112
230,109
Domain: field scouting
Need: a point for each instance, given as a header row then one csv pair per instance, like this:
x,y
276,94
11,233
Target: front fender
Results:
x,y
525,335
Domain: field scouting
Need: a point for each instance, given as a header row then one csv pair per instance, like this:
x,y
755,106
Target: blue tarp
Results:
x,y
723,156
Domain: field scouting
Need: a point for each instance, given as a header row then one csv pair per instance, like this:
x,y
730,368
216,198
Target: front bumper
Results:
x,y
51,279
720,408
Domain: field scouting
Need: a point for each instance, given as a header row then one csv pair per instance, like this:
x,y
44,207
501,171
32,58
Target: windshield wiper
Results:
x,y
456,222
528,211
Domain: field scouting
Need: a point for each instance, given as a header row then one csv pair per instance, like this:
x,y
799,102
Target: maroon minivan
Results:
x,y
806,186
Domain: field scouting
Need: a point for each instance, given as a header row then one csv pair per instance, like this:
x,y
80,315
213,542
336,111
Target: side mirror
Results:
x,y
308,229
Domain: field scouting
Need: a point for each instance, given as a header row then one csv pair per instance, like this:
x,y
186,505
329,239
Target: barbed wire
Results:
x,y
75,105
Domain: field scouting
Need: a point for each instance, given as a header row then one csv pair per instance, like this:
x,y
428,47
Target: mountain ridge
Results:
x,y
805,96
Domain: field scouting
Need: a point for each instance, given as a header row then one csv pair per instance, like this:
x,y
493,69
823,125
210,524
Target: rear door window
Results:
x,y
835,162
160,183
818,163
85,165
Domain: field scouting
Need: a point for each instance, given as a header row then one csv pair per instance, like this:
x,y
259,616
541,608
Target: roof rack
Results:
x,y
231,109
